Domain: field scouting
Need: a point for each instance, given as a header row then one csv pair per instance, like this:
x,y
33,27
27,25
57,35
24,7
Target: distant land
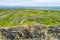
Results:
x,y
28,7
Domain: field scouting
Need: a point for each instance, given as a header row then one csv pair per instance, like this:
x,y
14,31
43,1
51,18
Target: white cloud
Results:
x,y
41,0
29,2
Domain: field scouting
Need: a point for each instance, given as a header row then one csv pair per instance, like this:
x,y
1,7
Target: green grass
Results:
x,y
15,17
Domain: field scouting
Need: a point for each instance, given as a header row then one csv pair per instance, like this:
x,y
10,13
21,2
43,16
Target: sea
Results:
x,y
28,7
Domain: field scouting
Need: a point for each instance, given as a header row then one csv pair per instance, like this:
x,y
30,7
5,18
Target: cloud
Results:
x,y
16,2
29,2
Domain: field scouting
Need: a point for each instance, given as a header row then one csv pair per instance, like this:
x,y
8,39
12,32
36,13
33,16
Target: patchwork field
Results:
x,y
16,17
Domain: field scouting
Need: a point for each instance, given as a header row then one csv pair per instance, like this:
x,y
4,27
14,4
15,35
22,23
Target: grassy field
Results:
x,y
17,17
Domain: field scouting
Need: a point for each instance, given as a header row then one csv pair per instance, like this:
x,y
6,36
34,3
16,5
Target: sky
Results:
x,y
29,2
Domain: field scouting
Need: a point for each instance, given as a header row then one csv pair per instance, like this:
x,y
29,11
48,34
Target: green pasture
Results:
x,y
17,17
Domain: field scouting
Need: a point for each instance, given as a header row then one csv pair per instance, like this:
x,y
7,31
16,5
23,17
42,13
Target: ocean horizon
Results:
x,y
28,7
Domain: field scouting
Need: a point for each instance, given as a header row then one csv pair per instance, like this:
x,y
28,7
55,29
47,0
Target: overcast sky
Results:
x,y
29,2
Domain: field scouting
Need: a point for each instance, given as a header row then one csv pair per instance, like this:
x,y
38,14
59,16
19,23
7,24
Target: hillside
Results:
x,y
16,17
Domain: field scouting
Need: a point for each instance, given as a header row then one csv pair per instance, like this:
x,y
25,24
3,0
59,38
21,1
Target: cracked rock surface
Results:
x,y
37,32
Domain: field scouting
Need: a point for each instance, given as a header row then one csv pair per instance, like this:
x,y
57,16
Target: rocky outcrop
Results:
x,y
37,32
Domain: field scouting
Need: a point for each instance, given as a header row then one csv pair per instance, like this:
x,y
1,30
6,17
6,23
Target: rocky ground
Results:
x,y
32,32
